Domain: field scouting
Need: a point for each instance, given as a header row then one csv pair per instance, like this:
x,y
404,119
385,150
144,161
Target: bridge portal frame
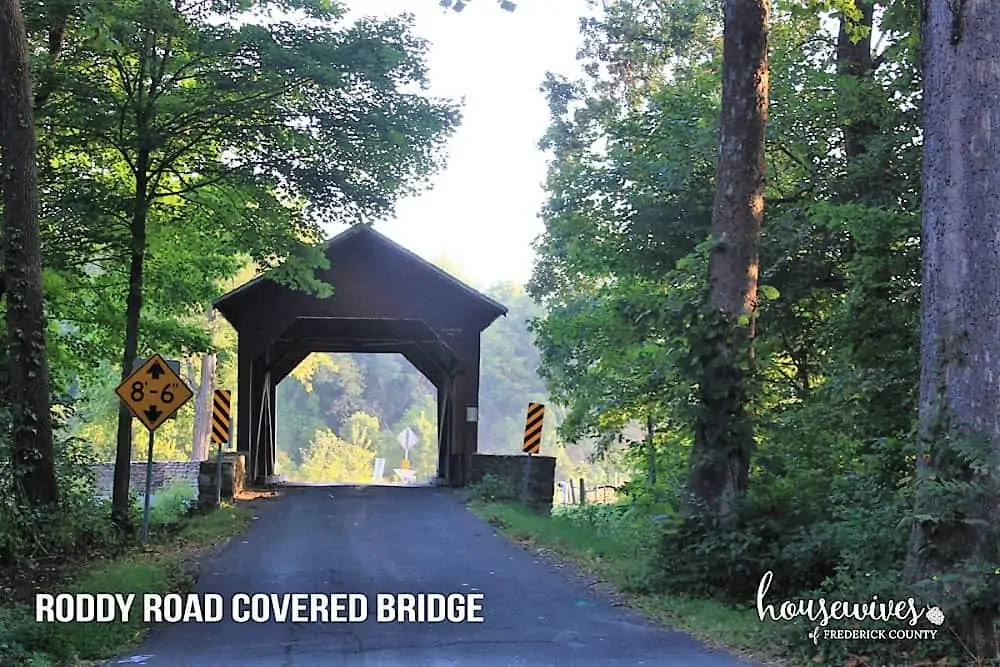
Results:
x,y
385,299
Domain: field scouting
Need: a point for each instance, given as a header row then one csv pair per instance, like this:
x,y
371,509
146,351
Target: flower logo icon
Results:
x,y
935,616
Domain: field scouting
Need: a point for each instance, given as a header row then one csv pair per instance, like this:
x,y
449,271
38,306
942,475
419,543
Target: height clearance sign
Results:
x,y
153,392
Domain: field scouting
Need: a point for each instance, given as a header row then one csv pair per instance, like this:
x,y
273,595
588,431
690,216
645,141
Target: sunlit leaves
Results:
x,y
630,189
236,132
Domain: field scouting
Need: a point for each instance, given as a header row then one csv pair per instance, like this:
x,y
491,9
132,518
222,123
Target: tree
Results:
x,y
422,418
203,389
273,127
27,365
960,341
720,462
360,429
330,458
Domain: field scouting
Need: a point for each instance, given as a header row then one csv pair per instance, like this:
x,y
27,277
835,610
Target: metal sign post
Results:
x,y
221,422
149,484
153,393
218,474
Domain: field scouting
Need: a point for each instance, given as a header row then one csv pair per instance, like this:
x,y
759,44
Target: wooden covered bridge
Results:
x,y
385,299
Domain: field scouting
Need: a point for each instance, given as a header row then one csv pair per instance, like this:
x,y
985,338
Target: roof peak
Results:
x,y
368,230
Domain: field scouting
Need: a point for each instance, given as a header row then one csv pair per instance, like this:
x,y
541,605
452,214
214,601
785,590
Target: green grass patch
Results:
x,y
161,567
619,563
220,524
170,504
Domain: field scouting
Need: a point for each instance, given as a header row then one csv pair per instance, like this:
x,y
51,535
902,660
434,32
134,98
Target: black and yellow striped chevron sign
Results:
x,y
533,428
221,416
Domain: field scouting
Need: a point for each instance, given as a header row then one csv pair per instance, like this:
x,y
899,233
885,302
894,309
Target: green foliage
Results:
x,y
25,642
626,335
204,137
79,523
619,328
217,525
492,489
90,641
958,479
618,562
170,504
330,458
628,526
18,637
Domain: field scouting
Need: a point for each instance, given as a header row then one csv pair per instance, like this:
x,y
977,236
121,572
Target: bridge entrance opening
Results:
x,y
385,299
358,419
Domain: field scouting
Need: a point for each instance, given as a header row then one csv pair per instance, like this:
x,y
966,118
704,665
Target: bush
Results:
x,y
80,522
607,520
19,632
172,503
698,556
25,642
631,527
492,489
843,538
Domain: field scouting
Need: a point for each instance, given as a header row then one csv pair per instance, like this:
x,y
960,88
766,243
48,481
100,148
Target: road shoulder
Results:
x,y
589,561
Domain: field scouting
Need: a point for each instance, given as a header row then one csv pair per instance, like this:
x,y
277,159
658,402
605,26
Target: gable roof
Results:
x,y
369,232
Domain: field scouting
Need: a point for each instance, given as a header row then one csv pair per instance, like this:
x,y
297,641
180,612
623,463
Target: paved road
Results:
x,y
382,539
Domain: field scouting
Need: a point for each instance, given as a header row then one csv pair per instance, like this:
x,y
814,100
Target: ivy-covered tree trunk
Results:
x,y
29,387
960,333
724,433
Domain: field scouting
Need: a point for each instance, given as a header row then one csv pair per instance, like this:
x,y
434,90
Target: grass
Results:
x,y
617,563
165,565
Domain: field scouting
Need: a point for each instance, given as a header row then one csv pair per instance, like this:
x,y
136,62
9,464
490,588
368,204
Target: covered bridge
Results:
x,y
386,299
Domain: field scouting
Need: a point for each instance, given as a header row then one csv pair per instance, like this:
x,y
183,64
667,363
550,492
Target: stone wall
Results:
x,y
233,475
165,473
532,476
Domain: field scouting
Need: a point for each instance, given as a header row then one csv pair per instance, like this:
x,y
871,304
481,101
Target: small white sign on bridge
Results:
x,y
379,471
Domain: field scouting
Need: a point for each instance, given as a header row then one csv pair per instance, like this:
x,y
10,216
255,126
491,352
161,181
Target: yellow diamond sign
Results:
x,y
153,392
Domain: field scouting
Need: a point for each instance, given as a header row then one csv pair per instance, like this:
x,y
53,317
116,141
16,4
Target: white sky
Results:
x,y
482,212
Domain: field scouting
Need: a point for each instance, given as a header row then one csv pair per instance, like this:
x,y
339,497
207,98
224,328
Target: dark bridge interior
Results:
x,y
386,299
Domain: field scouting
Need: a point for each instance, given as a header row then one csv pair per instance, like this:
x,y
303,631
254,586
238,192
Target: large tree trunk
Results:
x,y
204,399
960,333
28,371
133,311
720,460
203,408
854,58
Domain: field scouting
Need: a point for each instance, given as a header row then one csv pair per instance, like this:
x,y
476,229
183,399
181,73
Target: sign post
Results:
x,y
407,439
153,393
221,402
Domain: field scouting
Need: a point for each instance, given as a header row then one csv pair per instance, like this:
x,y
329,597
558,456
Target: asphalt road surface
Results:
x,y
371,540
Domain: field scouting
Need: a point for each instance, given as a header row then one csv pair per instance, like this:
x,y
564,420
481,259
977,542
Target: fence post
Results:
x,y
583,492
